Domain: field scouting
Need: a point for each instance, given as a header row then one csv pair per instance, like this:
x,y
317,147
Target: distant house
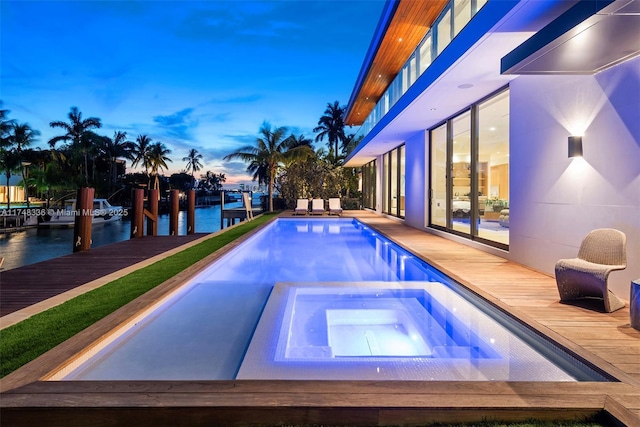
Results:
x,y
15,189
473,116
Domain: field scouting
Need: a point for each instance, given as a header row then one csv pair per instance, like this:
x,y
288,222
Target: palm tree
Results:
x,y
193,162
332,125
46,174
9,163
114,148
21,137
5,127
265,158
299,141
158,159
212,181
75,130
141,152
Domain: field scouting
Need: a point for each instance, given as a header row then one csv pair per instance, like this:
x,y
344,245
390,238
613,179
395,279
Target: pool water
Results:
x,y
323,299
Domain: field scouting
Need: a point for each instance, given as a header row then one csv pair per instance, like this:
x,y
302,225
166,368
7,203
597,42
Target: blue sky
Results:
x,y
190,74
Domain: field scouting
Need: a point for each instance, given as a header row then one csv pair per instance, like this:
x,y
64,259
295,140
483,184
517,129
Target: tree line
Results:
x,y
79,156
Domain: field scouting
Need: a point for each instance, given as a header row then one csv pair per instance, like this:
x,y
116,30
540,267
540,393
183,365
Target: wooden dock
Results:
x,y
605,340
233,214
229,216
24,286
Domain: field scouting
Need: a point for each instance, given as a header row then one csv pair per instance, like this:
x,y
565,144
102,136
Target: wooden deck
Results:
x,y
605,340
25,286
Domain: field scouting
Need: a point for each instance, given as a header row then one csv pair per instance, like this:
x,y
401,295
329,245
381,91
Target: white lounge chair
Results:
x,y
334,206
317,207
302,207
601,252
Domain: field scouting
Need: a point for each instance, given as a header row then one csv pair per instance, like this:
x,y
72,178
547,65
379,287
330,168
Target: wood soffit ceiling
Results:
x,y
411,21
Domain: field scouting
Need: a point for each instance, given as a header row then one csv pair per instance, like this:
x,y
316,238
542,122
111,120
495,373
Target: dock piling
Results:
x,y
83,219
137,213
174,209
152,212
191,211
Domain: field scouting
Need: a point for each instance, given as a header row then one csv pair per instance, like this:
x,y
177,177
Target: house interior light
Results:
x,y
575,146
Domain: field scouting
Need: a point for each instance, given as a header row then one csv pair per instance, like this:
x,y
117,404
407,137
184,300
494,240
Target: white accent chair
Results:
x,y
302,207
601,252
334,206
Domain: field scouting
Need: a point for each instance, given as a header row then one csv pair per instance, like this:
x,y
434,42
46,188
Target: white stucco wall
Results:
x,y
415,179
555,201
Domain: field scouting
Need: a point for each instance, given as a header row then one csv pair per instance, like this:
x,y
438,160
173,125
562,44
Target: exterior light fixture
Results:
x,y
575,146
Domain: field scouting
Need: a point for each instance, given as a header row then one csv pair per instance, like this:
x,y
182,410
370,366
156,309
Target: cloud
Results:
x,y
173,119
238,99
235,168
244,22
271,29
179,125
243,139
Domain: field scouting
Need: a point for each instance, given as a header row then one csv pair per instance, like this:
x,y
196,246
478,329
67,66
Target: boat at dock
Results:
x,y
102,212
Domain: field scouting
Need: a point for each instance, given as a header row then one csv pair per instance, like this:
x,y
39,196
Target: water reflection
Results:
x,y
40,244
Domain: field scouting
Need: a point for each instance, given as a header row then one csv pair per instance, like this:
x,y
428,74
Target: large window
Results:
x,y
493,170
443,28
386,190
469,188
460,167
393,182
439,176
369,185
401,186
453,18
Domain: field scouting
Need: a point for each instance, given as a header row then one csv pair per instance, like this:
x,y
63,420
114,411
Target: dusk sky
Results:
x,y
190,74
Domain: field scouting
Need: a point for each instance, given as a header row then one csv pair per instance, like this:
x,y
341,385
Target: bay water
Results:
x,y
39,244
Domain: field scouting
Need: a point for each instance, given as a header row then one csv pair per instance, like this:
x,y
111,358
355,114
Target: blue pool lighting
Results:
x,y
323,299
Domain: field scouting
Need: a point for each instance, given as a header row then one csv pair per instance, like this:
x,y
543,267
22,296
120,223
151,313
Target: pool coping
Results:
x,y
26,399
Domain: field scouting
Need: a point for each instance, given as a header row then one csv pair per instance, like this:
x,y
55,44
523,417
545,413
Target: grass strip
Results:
x,y
25,341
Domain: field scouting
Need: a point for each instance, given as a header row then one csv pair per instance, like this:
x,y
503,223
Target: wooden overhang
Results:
x,y
405,28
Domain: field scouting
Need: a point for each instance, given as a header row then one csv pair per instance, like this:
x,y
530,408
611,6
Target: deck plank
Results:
x,y
24,286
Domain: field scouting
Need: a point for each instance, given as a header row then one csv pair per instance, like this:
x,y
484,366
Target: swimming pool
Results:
x,y
323,299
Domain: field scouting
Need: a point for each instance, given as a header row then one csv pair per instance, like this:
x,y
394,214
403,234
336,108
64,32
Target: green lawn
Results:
x,y
25,341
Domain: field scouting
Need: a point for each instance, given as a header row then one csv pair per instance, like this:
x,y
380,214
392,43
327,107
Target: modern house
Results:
x,y
509,126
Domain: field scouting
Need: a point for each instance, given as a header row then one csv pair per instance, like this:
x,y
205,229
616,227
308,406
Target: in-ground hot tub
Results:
x,y
383,330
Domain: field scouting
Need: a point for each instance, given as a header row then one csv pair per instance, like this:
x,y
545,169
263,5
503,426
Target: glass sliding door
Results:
x,y
393,191
438,191
385,183
369,185
401,189
393,180
493,168
469,188
461,173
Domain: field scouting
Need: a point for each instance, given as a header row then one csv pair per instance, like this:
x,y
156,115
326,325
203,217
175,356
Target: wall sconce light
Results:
x,y
575,146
